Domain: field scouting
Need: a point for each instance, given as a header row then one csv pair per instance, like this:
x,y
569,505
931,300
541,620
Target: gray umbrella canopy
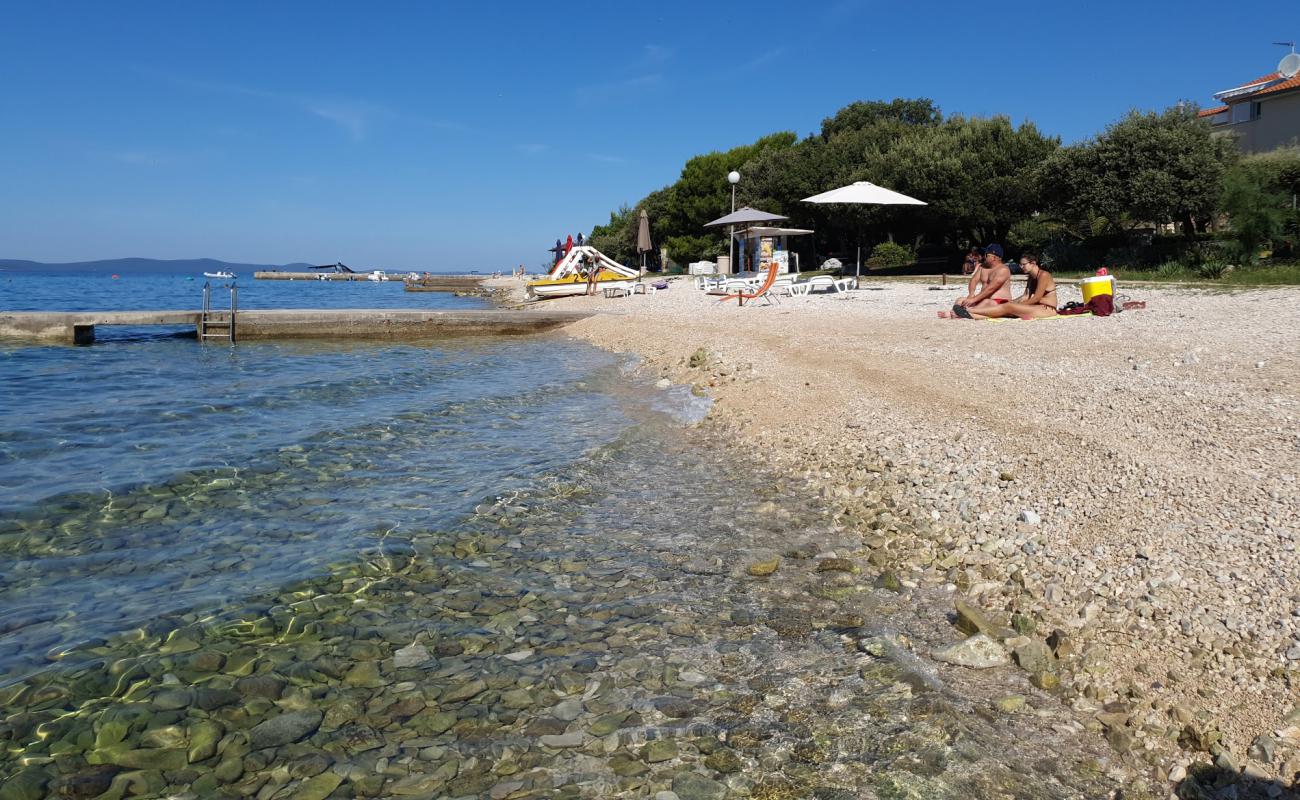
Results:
x,y
643,234
745,216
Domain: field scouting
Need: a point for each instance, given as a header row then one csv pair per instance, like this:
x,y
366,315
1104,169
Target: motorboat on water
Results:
x,y
581,267
222,274
377,275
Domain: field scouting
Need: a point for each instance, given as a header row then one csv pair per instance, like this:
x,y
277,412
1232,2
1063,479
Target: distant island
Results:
x,y
154,266
182,266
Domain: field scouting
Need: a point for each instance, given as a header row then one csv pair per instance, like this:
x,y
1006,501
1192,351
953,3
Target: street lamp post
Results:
x,y
733,178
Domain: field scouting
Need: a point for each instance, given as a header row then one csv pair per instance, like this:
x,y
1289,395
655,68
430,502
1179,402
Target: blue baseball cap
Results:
x,y
995,249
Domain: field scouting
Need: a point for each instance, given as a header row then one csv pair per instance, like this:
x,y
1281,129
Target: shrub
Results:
x,y
1171,270
1213,270
891,254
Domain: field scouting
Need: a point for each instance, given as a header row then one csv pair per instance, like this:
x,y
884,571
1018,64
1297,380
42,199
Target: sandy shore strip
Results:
x,y
1123,490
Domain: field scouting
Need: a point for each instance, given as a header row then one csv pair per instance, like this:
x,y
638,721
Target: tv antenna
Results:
x,y
1289,66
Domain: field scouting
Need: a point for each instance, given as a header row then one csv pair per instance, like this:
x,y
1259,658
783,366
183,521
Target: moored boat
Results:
x,y
222,274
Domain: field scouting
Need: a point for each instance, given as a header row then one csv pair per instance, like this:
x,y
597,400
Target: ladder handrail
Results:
x,y
205,317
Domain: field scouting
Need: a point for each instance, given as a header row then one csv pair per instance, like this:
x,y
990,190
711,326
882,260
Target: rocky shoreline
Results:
x,y
564,642
1110,503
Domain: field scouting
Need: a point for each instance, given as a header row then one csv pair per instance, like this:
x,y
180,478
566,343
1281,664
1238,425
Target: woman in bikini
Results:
x,y
1038,301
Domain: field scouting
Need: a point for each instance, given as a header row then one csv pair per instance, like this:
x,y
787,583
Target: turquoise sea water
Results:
x,y
482,567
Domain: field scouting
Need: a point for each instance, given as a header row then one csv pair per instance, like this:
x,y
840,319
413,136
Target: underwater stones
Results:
x,y
467,690
567,710
229,770
204,736
694,786
428,723
659,750
789,624
266,687
724,760
607,723
625,766
173,699
837,565
518,655
673,707
163,759
413,655
1009,704
357,739
546,726
417,785
284,729
761,569
364,675
83,784
563,740
318,787
206,661
570,682
27,784
703,566
978,652
517,699
167,736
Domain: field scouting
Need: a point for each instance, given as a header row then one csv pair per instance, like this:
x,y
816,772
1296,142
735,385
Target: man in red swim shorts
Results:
x,y
989,286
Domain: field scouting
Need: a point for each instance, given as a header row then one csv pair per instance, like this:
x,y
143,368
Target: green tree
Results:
x,y
1147,168
1259,198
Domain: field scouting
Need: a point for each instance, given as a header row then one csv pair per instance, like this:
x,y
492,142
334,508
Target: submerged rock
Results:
x,y
978,652
284,729
694,786
761,569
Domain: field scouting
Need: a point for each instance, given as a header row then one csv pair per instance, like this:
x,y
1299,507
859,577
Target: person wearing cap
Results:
x,y
989,286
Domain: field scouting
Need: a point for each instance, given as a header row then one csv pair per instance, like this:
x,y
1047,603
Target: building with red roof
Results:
x,y
1262,114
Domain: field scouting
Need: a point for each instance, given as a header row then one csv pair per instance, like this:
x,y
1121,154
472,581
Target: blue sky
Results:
x,y
447,135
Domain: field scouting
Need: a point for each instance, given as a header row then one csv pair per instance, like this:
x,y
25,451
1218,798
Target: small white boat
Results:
x,y
223,274
377,275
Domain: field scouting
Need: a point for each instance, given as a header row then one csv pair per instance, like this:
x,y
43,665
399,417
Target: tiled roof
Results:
x,y
1282,86
1209,112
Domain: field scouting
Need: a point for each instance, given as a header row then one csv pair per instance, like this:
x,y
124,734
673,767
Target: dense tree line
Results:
x,y
1147,188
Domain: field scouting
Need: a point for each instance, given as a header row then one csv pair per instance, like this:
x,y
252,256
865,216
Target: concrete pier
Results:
x,y
78,327
434,283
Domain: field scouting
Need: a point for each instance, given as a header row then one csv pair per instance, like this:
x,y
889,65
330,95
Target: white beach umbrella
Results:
x,y
864,193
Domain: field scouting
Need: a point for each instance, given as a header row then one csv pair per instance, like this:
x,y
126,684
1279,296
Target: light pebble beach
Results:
x,y
1129,481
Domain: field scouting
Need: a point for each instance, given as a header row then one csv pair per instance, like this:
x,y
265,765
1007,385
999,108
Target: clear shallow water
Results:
x,y
469,568
30,291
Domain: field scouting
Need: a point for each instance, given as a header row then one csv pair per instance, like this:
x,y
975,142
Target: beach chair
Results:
x,y
763,292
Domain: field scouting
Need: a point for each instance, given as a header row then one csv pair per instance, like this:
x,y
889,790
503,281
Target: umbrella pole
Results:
x,y
857,271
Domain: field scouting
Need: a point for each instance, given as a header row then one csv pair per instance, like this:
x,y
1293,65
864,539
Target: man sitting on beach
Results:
x,y
1039,299
990,285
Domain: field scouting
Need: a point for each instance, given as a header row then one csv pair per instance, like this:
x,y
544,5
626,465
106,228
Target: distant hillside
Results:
x,y
141,265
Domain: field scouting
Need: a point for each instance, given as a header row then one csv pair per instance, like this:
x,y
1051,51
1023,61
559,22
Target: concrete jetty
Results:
x,y
433,283
78,327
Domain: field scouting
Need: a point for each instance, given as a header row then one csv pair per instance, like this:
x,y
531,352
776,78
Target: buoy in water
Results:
x,y
114,277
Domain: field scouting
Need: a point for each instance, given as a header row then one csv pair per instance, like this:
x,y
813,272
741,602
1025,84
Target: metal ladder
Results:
x,y
218,324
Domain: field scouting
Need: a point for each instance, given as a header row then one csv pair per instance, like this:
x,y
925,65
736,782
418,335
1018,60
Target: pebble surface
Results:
x,y
1128,483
